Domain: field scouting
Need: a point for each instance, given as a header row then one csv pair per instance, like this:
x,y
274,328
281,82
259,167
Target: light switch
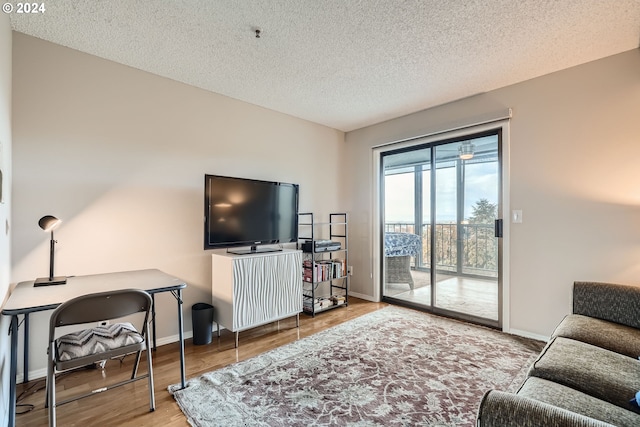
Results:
x,y
516,216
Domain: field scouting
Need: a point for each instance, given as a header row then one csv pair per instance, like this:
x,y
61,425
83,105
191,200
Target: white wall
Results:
x,y
120,156
5,205
575,145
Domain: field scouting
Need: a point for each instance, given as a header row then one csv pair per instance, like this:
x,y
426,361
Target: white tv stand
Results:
x,y
255,289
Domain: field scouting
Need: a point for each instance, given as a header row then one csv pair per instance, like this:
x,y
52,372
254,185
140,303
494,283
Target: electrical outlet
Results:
x,y
350,270
103,323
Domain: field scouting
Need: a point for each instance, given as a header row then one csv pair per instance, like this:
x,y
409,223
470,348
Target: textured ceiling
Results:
x,y
342,63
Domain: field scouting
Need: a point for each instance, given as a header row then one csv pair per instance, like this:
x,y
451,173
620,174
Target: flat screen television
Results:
x,y
249,212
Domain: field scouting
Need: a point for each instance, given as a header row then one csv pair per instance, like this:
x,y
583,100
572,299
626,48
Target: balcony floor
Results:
x,y
472,296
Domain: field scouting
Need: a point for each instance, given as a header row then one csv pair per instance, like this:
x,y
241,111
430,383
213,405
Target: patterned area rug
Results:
x,y
392,367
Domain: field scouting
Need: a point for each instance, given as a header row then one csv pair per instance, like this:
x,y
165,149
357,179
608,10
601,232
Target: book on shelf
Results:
x,y
338,299
318,304
324,270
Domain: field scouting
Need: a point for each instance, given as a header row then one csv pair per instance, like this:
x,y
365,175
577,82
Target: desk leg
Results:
x,y
153,319
13,370
181,332
25,352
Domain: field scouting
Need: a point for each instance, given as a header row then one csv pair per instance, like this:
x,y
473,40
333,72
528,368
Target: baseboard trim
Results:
x,y
526,334
362,296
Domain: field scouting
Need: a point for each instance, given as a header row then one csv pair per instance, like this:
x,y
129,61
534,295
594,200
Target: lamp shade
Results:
x,y
48,222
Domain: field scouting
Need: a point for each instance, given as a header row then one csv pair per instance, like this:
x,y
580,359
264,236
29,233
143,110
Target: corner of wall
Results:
x,y
6,41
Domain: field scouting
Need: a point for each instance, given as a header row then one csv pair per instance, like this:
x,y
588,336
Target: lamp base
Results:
x,y
46,281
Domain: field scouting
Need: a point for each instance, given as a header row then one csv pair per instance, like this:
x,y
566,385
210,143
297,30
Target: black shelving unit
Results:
x,y
325,266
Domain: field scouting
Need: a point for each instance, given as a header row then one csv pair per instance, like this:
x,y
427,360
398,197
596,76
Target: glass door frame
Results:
x,y
500,129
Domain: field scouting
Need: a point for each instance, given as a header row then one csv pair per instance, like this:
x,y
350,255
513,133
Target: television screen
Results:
x,y
247,212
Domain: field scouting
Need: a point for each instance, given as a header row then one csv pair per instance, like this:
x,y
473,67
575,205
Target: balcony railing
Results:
x,y
470,249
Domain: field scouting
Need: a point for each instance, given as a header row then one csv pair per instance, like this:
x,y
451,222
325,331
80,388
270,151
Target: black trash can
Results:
x,y
202,322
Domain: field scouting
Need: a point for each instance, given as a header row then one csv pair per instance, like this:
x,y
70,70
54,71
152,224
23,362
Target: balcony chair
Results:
x,y
398,250
96,344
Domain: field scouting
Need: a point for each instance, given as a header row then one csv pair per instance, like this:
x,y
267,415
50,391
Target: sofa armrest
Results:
x,y
607,301
501,409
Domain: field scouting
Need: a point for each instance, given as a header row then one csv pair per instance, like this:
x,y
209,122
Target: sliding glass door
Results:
x,y
406,192
439,203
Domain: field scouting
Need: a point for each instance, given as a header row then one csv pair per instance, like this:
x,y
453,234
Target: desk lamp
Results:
x,y
49,223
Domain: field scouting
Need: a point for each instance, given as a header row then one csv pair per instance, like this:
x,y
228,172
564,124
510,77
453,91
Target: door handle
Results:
x,y
498,228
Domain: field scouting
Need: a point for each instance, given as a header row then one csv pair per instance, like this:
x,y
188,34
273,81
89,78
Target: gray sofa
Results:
x,y
588,372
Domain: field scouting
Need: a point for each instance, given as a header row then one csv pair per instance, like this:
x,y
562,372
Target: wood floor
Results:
x,y
129,405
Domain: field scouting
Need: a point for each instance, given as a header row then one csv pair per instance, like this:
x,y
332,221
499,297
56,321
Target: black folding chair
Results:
x,y
88,346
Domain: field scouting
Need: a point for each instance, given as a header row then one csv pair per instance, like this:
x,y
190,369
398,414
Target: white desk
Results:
x,y
26,299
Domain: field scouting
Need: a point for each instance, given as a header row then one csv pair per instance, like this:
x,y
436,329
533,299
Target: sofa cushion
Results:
x,y
612,336
592,370
578,402
608,301
501,409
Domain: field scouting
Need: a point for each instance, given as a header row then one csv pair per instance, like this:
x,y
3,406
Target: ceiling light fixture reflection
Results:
x,y
466,150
